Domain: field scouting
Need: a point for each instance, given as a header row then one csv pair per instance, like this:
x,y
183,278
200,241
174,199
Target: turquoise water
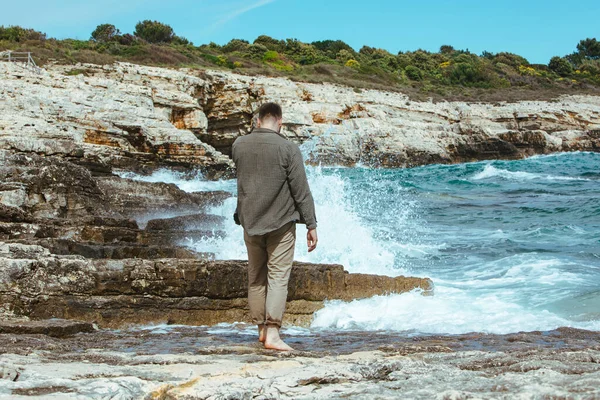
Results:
x,y
510,245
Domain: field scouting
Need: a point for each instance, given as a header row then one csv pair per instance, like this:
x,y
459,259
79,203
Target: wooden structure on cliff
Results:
x,y
24,58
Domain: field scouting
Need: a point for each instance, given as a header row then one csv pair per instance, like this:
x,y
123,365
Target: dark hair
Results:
x,y
270,110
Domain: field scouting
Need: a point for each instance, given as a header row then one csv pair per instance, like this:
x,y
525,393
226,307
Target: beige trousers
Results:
x,y
270,258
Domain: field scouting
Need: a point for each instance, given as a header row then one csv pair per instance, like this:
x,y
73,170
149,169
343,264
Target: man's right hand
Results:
x,y
311,239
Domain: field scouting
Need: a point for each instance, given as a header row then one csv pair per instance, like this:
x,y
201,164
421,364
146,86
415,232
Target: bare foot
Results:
x,y
273,341
262,334
278,345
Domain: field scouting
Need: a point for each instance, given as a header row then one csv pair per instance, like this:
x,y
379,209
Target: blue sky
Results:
x,y
536,30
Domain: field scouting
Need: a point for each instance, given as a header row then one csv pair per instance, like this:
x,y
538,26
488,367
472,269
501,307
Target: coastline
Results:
x,y
160,362
63,209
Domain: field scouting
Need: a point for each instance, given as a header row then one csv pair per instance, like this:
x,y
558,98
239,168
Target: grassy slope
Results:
x,y
503,83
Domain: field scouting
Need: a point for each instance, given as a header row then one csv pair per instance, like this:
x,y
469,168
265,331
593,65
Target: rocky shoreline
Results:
x,y
173,361
70,248
80,241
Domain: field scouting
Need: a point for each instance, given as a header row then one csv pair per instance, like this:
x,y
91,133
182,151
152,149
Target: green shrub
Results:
x,y
331,48
470,74
181,41
126,39
19,34
561,66
403,60
413,73
344,55
275,60
270,43
271,55
513,60
154,31
446,49
592,67
422,60
304,54
256,51
236,45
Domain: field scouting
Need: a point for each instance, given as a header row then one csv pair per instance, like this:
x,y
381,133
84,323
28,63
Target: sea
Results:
x,y
510,246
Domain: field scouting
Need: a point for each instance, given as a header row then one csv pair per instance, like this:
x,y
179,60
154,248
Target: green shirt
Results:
x,y
271,181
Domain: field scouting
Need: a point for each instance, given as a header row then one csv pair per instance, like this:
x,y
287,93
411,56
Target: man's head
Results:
x,y
270,116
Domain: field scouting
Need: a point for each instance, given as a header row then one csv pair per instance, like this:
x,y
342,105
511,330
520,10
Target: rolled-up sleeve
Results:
x,y
296,175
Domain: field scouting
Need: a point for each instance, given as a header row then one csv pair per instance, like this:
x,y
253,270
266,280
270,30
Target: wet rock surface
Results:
x,y
172,361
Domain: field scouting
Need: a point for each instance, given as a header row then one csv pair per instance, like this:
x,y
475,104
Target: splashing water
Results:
x,y
510,245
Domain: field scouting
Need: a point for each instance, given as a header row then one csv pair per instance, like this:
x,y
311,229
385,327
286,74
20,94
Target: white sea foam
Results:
x,y
345,239
489,171
187,182
449,311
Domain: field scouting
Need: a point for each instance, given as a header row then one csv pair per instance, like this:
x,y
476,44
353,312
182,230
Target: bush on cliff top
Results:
x,y
447,71
105,33
154,32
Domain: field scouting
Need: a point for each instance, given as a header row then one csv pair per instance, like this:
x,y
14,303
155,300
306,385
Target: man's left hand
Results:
x,y
311,239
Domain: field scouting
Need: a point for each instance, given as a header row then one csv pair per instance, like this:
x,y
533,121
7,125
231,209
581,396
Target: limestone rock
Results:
x,y
139,118
123,119
52,202
189,291
51,327
171,361
48,188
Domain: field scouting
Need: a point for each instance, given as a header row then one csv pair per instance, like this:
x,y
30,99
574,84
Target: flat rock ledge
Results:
x,y
113,293
185,362
52,327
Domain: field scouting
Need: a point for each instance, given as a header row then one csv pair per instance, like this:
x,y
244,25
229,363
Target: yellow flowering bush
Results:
x,y
529,71
352,64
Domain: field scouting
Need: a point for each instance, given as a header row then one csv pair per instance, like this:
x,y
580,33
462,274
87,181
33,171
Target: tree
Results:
x,y
105,33
446,49
561,66
154,32
589,48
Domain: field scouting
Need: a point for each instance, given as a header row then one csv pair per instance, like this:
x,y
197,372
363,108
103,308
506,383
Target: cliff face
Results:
x,y
135,117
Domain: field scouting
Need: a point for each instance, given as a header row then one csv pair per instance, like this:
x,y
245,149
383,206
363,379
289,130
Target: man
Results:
x,y
273,195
